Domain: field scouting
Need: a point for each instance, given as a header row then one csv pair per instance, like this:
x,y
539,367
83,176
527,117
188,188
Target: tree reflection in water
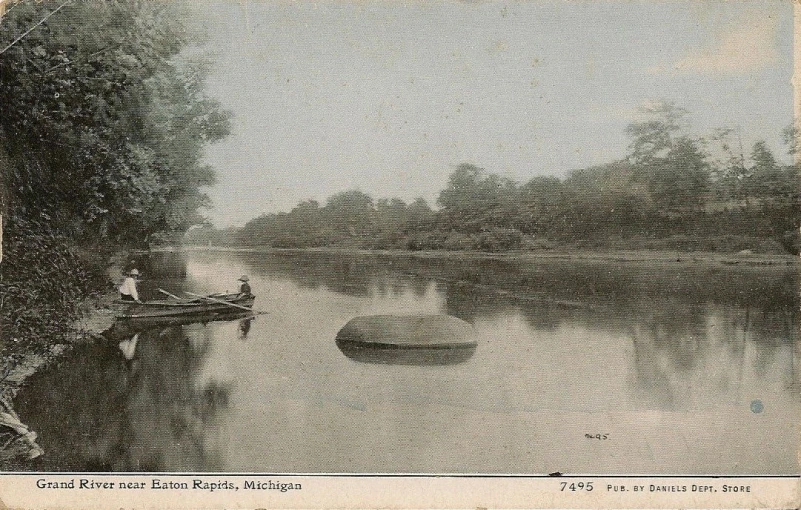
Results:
x,y
136,404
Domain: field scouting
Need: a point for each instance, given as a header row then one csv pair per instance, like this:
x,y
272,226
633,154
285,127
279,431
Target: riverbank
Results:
x,y
86,320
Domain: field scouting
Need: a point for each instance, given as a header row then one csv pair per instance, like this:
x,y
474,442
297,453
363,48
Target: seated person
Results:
x,y
244,289
128,290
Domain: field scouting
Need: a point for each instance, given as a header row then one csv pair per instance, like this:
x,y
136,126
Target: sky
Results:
x,y
388,97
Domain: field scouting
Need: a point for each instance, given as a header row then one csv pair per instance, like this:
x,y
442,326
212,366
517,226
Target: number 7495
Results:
x,y
576,486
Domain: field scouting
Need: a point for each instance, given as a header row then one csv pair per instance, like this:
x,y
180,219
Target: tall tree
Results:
x,y
654,135
768,181
349,213
474,200
680,181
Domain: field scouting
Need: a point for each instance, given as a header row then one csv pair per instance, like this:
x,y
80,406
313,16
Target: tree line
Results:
x,y
671,191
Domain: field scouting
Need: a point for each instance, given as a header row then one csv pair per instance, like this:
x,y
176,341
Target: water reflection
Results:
x,y
124,328
128,346
137,405
244,327
670,360
405,356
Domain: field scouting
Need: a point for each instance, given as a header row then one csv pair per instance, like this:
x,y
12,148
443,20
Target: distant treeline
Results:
x,y
671,192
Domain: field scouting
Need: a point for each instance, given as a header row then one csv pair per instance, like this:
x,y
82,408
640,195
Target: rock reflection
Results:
x,y
405,356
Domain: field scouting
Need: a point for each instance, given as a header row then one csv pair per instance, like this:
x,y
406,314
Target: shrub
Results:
x,y
499,239
42,281
458,241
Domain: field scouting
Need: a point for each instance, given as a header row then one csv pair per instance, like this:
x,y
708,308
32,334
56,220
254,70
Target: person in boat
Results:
x,y
244,289
128,290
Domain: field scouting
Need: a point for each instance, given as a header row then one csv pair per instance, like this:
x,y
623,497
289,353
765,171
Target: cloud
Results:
x,y
749,46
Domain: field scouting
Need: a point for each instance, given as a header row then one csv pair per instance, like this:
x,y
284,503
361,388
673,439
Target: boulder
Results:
x,y
408,331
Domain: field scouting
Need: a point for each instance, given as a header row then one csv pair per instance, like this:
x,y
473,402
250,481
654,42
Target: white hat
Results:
x,y
134,272
243,278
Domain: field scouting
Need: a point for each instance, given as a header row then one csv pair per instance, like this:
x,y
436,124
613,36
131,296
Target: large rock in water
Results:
x,y
407,339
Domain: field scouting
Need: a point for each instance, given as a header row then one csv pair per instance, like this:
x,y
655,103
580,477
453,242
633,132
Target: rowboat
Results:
x,y
210,306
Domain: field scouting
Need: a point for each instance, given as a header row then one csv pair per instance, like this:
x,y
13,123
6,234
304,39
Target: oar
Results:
x,y
171,295
220,301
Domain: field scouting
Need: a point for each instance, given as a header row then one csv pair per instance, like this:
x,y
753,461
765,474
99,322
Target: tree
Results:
x,y
767,180
728,171
603,201
655,135
680,181
104,121
539,204
791,135
671,163
474,200
419,216
349,213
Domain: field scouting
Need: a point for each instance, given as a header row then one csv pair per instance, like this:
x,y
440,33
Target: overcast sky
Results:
x,y
389,96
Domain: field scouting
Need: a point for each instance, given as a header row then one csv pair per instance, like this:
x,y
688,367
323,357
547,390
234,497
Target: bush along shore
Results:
x,y
48,291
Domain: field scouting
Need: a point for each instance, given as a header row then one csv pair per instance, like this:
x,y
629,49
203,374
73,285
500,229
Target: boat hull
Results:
x,y
124,328
168,309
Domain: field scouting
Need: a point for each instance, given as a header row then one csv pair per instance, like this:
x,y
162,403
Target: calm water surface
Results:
x,y
677,370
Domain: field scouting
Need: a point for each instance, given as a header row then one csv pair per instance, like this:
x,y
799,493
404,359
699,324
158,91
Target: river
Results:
x,y
591,367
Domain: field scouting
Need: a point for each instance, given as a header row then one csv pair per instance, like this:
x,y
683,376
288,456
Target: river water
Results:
x,y
581,367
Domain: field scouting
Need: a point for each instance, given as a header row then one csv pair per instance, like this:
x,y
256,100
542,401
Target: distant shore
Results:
x,y
667,257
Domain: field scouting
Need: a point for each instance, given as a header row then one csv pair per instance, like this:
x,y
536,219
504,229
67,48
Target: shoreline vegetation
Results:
x,y
102,133
617,206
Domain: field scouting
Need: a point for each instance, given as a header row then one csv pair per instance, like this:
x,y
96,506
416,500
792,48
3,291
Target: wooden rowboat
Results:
x,y
201,307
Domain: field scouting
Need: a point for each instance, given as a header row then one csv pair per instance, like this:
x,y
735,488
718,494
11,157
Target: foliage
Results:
x,y
41,279
102,127
654,135
680,180
103,120
672,190
474,200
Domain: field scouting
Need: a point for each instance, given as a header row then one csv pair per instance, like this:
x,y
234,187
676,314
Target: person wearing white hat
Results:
x,y
244,289
128,290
